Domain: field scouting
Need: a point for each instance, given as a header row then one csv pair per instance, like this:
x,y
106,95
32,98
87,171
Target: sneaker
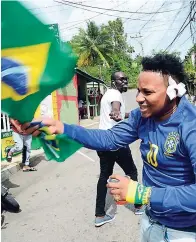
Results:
x,y
139,210
99,221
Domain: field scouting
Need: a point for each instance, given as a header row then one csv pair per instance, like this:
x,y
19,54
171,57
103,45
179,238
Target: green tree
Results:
x,y
91,47
115,30
190,68
104,49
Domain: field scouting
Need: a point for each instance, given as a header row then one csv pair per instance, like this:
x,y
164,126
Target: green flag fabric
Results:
x,y
33,64
56,146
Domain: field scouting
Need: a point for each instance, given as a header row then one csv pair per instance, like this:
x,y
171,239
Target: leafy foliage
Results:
x,y
104,49
190,68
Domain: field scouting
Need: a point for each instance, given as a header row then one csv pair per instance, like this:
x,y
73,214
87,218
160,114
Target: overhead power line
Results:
x,y
85,20
116,10
182,28
99,13
174,19
151,17
59,10
136,11
52,6
188,38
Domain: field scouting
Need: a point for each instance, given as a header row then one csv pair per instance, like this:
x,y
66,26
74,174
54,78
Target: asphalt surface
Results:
x,y
58,201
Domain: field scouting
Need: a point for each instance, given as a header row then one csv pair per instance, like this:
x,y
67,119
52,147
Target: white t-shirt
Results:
x,y
110,96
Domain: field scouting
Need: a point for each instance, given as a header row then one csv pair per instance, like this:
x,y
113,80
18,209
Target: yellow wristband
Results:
x,y
132,188
138,193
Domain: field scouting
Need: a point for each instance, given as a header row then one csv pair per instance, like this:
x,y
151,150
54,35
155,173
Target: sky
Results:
x,y
145,32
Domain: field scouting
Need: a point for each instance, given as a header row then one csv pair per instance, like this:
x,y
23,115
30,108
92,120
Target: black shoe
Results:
x,y
8,157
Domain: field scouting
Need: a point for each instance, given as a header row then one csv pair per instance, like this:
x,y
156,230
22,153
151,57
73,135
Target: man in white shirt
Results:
x,y
112,111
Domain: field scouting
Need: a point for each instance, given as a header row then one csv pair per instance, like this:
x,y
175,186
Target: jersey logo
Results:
x,y
171,142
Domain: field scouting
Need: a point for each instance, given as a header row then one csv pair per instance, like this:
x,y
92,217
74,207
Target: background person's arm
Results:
x,y
127,115
115,113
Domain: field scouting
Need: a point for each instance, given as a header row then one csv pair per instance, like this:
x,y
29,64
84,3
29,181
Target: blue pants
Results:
x,y
152,232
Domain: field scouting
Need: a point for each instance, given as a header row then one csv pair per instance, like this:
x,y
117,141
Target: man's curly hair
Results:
x,y
167,64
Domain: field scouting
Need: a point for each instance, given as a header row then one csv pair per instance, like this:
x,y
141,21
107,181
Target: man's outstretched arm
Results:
x,y
119,136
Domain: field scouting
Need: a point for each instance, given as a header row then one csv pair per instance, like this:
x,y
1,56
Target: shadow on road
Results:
x,y
9,184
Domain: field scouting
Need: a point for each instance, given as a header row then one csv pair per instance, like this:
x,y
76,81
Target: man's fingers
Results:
x,y
36,133
25,126
31,130
115,192
115,176
113,185
49,122
48,129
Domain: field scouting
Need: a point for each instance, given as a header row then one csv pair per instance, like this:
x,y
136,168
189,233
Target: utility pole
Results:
x,y
140,43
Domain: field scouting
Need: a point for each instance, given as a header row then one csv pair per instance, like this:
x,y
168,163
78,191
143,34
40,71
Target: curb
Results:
x,y
16,165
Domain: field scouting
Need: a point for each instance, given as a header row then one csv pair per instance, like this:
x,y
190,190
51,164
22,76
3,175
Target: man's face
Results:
x,y
151,96
121,81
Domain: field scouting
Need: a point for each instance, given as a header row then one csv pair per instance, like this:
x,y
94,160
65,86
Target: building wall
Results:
x,y
67,103
6,135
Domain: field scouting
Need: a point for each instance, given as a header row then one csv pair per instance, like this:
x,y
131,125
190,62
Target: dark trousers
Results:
x,y
107,160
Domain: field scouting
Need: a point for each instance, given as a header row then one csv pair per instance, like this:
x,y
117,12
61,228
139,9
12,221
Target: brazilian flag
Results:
x,y
33,63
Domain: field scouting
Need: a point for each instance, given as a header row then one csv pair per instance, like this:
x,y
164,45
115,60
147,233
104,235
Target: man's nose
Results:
x,y
140,98
125,82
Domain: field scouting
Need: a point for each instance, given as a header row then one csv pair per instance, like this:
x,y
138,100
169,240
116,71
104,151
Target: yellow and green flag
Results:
x,y
33,64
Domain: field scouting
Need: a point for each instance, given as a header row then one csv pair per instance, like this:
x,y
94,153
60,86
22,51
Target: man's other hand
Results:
x,y
116,116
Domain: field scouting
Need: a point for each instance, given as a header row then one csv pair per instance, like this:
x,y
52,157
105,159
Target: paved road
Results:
x,y
58,202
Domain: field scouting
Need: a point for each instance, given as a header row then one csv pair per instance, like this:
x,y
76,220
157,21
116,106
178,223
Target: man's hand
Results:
x,y
119,189
54,126
116,116
16,125
129,190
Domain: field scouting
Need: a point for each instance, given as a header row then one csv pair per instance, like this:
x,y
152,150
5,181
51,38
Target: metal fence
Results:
x,y
5,123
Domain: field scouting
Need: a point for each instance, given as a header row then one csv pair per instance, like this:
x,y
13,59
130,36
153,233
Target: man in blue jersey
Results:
x,y
165,122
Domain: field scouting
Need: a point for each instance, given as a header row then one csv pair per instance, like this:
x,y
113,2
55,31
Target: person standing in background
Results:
x,y
21,140
112,111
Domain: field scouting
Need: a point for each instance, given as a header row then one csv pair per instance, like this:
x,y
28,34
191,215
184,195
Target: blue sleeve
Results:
x,y
181,198
120,135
